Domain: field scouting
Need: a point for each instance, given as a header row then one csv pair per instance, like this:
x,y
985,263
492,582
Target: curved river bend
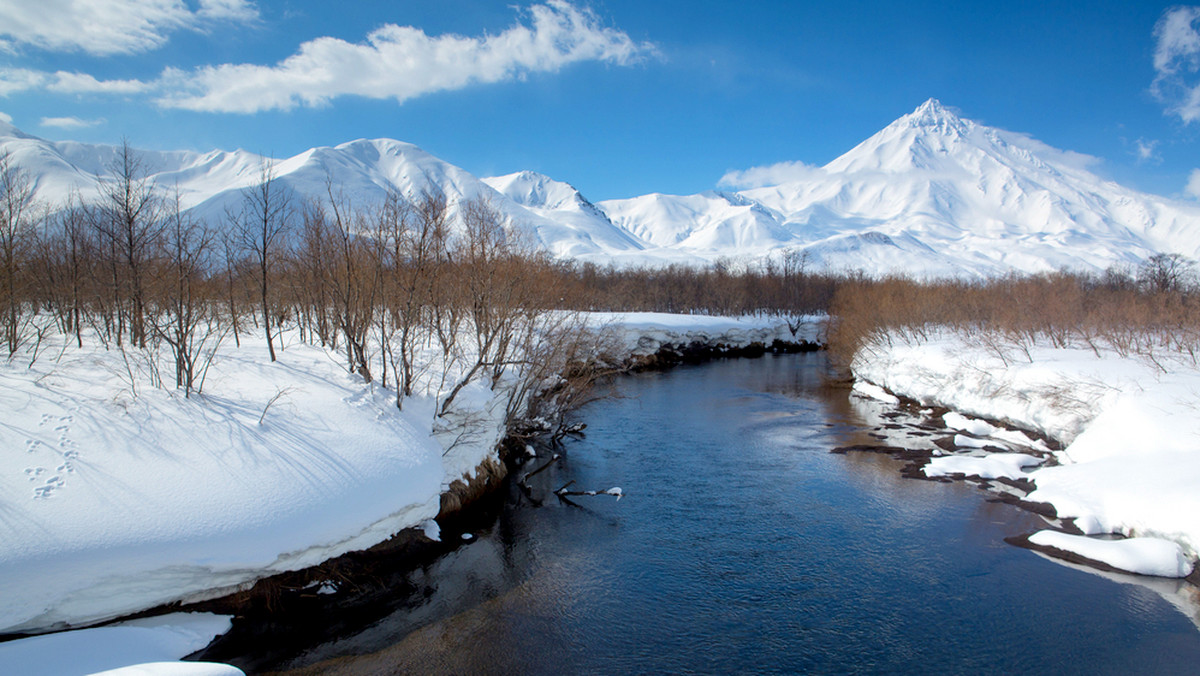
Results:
x,y
744,546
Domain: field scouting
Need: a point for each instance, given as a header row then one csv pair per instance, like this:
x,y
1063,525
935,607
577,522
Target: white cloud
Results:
x,y
1177,62
1146,151
774,174
105,27
403,62
1193,184
69,122
13,80
228,10
82,83
5,117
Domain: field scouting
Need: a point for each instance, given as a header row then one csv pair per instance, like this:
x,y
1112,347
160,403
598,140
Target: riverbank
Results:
x,y
1128,459
121,496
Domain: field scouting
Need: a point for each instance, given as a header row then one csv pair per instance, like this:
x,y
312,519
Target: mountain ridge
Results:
x,y
930,194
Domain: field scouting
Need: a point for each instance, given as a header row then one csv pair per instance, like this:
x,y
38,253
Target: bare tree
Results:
x,y
346,271
261,230
1165,272
69,253
186,319
17,222
412,239
500,295
129,221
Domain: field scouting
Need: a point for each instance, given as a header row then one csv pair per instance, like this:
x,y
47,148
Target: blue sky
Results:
x,y
618,97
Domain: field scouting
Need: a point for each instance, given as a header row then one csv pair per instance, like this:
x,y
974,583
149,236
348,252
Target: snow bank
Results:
x,y
1132,460
151,644
992,466
645,333
1144,556
174,669
114,503
872,391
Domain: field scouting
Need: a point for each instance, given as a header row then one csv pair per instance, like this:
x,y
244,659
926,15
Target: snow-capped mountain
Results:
x,y
579,226
930,194
363,172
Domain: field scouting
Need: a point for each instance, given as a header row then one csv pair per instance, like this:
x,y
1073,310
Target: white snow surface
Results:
x,y
1131,463
112,503
150,645
991,466
115,503
174,669
932,194
644,333
1144,556
873,391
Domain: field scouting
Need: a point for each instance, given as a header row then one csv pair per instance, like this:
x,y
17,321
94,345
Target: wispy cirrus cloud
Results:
x,y
69,122
403,62
1177,62
773,174
108,27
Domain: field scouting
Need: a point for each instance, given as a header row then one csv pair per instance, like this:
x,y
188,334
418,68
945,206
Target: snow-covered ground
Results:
x,y
149,647
116,496
1131,461
116,502
645,333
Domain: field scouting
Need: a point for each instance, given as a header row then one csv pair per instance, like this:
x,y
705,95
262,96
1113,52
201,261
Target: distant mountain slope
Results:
x,y
362,171
577,221
930,194
935,194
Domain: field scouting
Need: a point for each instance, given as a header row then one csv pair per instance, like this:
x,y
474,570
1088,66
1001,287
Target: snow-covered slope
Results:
x,y
579,230
363,172
931,193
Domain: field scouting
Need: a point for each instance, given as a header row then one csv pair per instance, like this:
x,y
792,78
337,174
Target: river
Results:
x,y
743,545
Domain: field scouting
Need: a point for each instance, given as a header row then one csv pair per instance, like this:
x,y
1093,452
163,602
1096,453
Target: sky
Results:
x,y
617,97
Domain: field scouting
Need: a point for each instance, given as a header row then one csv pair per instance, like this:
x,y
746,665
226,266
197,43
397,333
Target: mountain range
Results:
x,y
931,194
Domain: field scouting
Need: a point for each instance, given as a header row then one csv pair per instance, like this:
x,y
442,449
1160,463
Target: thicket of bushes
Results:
x,y
1152,311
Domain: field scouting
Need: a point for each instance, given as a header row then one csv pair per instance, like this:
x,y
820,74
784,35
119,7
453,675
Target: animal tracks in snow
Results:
x,y
47,482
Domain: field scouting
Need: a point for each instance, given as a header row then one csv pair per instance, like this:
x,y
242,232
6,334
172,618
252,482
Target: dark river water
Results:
x,y
744,546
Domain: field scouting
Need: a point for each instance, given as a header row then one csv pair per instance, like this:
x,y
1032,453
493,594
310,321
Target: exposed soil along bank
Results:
x,y
487,478
278,617
696,352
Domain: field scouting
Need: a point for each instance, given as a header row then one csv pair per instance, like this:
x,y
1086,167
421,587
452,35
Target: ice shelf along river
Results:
x,y
743,545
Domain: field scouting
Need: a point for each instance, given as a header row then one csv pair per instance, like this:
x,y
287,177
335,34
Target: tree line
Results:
x,y
1151,311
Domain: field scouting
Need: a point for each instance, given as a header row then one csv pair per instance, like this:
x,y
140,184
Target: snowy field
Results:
x,y
1131,461
116,496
